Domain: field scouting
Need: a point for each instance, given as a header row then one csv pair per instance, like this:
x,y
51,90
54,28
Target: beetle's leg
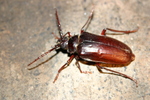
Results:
x,y
68,34
103,32
56,37
121,74
84,27
125,32
119,31
78,65
64,66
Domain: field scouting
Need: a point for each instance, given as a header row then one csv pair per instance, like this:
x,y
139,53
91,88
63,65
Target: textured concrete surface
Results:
x,y
25,32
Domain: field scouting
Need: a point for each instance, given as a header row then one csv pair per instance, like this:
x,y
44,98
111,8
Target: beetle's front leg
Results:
x,y
69,35
64,66
120,31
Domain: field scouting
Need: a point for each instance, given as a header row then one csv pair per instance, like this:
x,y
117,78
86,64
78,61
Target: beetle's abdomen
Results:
x,y
104,53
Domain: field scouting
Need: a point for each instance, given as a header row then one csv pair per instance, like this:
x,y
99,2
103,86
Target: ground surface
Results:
x,y
25,32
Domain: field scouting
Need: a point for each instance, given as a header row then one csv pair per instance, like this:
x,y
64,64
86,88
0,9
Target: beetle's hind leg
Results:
x,y
78,65
120,74
119,32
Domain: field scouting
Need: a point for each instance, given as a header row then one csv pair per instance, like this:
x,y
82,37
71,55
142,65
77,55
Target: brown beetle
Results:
x,y
95,49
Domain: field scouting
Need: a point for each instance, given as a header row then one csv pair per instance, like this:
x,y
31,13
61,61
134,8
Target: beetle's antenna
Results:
x,y
56,46
59,25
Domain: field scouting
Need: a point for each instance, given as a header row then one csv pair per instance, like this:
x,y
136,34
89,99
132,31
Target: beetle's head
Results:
x,y
63,42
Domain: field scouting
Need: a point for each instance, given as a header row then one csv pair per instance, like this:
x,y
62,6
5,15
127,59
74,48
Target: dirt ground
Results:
x,y
26,28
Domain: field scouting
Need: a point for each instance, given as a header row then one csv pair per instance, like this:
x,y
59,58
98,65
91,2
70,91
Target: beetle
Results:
x,y
92,48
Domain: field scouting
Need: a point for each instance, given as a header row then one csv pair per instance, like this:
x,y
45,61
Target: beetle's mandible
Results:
x,y
95,49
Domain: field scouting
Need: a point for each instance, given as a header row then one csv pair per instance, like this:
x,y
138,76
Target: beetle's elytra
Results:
x,y
97,49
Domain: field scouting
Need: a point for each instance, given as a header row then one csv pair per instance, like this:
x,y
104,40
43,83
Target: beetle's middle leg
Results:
x,y
119,31
78,65
84,27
